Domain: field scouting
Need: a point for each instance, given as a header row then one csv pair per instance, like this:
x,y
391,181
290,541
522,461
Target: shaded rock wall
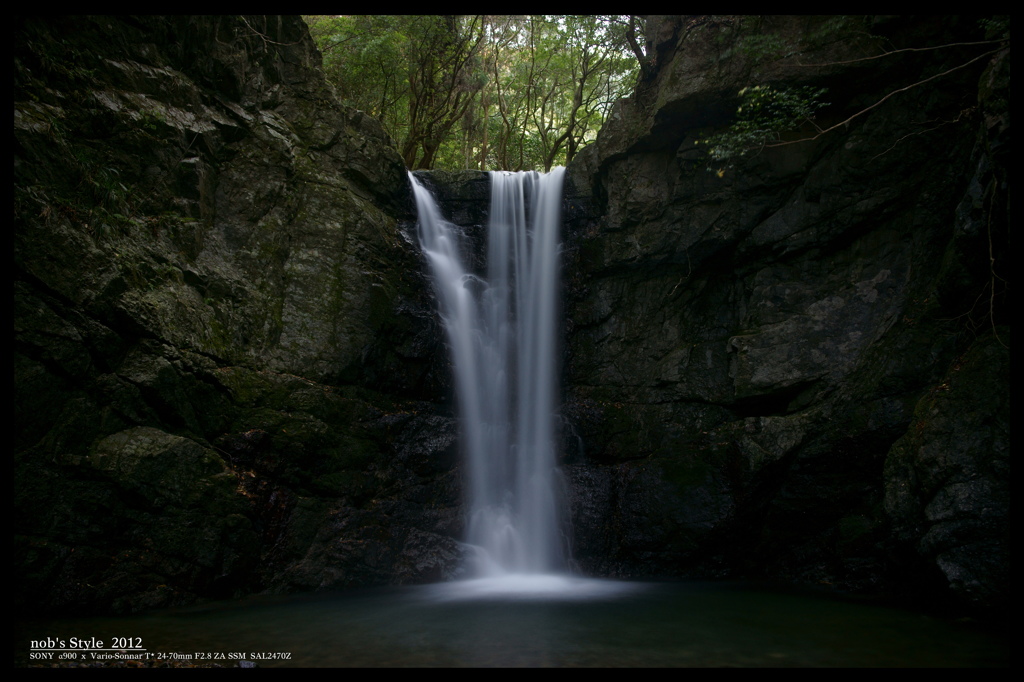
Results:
x,y
228,375
752,349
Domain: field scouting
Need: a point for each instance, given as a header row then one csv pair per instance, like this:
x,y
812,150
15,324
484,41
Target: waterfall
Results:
x,y
502,334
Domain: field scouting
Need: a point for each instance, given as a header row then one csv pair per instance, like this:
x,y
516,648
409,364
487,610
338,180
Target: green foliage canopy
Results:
x,y
485,92
763,114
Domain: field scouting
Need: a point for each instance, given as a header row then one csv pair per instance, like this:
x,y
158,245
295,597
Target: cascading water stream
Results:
x,y
500,326
502,332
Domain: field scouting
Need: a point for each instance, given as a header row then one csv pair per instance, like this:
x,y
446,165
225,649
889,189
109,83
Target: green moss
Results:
x,y
245,385
338,483
354,454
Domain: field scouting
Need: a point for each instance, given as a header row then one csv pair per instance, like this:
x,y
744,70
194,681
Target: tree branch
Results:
x,y
884,99
905,49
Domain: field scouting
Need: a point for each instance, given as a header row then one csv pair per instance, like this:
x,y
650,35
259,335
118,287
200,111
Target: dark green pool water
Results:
x,y
561,623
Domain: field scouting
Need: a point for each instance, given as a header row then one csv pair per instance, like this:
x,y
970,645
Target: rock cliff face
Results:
x,y
797,366
223,339
229,375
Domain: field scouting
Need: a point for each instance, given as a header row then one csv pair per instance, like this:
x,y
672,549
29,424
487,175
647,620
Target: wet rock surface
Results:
x,y
230,376
748,346
226,356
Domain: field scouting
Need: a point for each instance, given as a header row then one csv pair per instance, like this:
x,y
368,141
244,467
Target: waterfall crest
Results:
x,y
502,334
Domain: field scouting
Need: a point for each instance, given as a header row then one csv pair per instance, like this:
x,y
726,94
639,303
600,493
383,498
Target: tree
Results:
x,y
443,77
363,57
417,74
512,92
765,111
